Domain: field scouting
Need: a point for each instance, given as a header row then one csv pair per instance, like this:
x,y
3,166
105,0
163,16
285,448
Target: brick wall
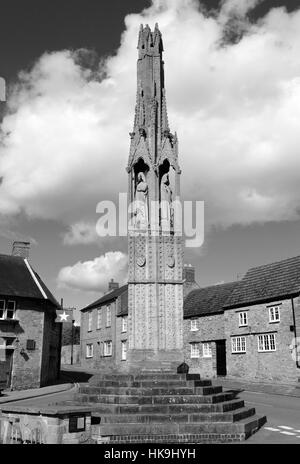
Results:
x,y
210,328
277,366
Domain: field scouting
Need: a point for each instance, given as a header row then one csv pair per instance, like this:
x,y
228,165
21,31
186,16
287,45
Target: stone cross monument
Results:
x,y
155,286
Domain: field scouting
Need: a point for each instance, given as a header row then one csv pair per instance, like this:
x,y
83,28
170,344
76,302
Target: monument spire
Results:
x,y
155,300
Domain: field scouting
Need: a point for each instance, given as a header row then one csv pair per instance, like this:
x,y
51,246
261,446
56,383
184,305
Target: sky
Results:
x,y
233,96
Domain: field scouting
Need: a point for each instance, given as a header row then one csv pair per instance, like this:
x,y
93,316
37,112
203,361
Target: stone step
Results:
x,y
245,426
154,390
154,383
160,417
99,378
156,399
195,405
133,409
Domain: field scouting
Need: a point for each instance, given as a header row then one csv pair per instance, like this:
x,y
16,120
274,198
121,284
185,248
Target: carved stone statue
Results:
x,y
166,201
141,202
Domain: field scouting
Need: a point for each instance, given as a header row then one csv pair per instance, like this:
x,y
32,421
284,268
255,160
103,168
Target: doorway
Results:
x,y
6,357
221,357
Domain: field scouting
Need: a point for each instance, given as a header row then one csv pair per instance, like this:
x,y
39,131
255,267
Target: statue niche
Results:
x,y
140,209
166,198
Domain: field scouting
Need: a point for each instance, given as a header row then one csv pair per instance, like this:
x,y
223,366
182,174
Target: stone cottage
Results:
x,y
30,337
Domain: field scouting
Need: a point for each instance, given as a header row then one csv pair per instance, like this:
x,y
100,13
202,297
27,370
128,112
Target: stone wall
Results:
x,y
277,366
26,369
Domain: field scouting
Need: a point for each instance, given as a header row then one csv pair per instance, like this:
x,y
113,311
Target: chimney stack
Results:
x,y
21,249
112,285
189,273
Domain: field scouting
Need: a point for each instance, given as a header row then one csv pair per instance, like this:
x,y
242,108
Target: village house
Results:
x,y
204,330
30,337
247,329
262,324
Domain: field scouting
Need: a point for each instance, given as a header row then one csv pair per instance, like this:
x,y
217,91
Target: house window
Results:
x,y
89,350
243,319
124,324
195,352
7,311
10,309
238,345
194,325
90,321
124,350
2,309
206,350
99,319
108,316
108,348
266,342
274,314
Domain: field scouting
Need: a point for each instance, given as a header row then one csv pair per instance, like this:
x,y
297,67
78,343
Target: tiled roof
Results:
x,y
108,297
16,280
266,283
208,300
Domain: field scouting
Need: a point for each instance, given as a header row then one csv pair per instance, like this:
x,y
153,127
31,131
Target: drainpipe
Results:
x,y
295,332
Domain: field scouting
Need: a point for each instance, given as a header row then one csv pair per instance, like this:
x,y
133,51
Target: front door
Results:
x,y
6,357
221,357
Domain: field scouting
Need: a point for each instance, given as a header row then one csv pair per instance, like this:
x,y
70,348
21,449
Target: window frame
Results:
x,y
244,316
3,309
195,354
274,321
124,324
268,337
91,346
206,350
194,325
90,321
99,318
108,319
123,344
105,352
234,349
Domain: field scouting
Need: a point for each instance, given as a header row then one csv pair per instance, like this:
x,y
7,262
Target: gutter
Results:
x,y
295,332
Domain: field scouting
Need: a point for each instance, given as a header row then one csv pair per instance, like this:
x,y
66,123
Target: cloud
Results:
x,y
81,233
95,275
235,106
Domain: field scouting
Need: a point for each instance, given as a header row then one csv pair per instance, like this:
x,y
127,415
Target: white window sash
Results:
x,y
195,352
99,319
89,350
238,345
274,314
243,319
207,352
266,343
194,325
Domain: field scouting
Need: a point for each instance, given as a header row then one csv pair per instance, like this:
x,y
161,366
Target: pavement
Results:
x,y
259,387
18,395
